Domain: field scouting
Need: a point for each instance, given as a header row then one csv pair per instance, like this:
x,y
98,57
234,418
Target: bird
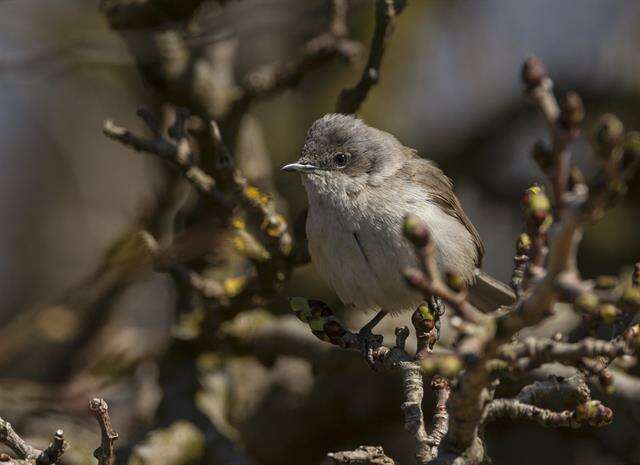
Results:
x,y
361,183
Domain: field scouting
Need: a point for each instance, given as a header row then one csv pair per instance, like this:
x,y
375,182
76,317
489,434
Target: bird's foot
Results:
x,y
371,342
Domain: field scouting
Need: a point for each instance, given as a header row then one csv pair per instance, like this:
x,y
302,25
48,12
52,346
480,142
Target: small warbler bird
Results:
x,y
361,183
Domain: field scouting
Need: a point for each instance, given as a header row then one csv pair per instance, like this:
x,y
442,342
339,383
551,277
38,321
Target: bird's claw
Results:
x,y
370,342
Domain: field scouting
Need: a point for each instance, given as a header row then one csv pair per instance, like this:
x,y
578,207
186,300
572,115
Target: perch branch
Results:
x,y
413,390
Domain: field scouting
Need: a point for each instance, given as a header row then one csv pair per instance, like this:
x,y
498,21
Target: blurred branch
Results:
x,y
275,77
133,14
531,353
570,390
271,254
556,388
351,99
28,454
178,154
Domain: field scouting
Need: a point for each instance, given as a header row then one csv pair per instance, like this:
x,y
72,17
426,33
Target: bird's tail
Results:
x,y
488,293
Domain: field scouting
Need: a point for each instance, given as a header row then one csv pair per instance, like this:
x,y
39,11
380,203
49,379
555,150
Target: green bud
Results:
x,y
594,413
428,365
609,313
495,366
523,245
572,110
450,366
608,133
317,324
423,318
631,152
425,312
537,207
416,231
586,303
454,281
631,296
301,308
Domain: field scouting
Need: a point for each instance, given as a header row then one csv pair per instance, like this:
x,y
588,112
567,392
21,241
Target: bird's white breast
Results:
x,y
357,246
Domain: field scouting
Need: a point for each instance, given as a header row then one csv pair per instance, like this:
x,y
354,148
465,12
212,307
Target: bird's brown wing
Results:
x,y
440,188
487,293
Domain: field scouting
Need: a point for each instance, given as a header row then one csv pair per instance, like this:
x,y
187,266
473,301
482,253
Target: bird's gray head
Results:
x,y
341,153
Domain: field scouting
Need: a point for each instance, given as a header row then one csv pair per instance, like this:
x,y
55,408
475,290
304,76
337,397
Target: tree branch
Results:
x,y
351,99
100,410
363,455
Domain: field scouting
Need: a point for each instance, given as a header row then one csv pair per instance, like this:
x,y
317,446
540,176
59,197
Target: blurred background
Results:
x,y
73,324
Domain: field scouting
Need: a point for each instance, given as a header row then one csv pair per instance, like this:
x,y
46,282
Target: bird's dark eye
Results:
x,y
341,159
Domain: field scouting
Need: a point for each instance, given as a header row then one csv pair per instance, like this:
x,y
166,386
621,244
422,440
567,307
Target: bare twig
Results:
x,y
271,255
11,439
363,455
54,451
563,124
573,389
105,453
429,281
531,353
178,155
19,446
272,78
351,99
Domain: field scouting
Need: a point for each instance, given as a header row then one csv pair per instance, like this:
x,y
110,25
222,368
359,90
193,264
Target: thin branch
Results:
x,y
54,450
19,446
428,280
176,154
100,410
531,352
272,257
562,123
272,78
573,389
351,99
363,455
11,439
516,410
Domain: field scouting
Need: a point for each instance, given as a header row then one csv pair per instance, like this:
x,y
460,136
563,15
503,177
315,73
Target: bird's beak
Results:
x,y
300,167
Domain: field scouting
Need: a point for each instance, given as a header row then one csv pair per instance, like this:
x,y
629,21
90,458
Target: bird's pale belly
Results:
x,y
363,265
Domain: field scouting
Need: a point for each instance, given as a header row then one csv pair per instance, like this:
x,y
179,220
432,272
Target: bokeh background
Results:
x,y
450,88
